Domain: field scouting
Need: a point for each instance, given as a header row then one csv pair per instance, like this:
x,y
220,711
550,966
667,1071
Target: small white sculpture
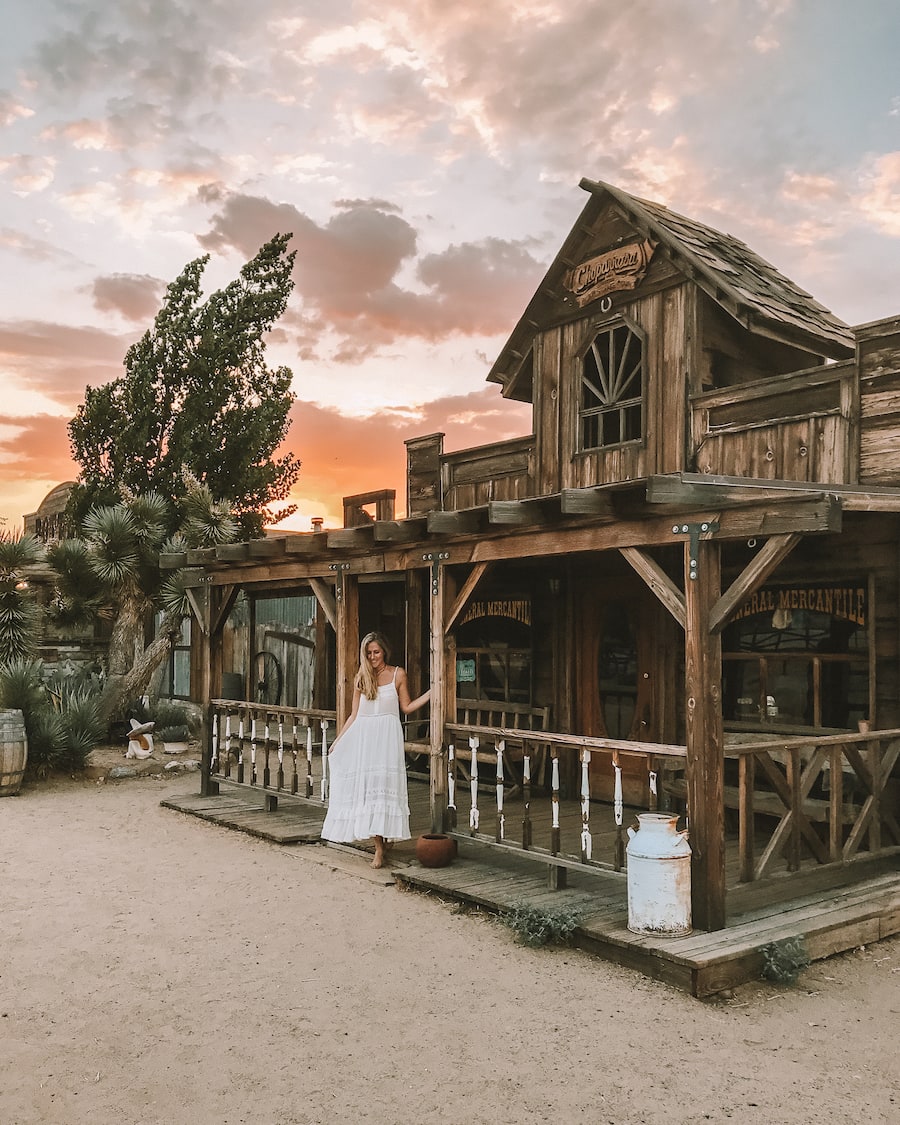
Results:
x,y
140,740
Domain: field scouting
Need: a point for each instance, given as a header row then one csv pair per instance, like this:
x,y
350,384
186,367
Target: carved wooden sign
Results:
x,y
620,268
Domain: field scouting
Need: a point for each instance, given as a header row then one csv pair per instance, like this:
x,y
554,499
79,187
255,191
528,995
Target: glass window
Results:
x,y
799,656
612,388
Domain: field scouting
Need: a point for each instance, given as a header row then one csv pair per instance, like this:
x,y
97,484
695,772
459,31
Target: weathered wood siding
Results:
x,y
660,317
792,427
879,389
423,474
502,471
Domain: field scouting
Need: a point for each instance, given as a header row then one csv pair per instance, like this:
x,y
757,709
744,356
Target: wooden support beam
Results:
x,y
325,599
199,602
466,521
523,513
349,538
348,638
309,543
269,548
400,531
587,502
754,574
226,596
231,552
704,764
475,575
172,560
658,581
198,556
443,690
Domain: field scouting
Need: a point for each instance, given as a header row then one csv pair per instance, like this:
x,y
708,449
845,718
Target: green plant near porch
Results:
x,y
784,960
62,720
537,926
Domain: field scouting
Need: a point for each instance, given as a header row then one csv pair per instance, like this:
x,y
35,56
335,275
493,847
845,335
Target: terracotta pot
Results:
x,y
434,849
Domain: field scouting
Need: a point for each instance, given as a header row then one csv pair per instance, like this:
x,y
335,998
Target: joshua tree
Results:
x,y
113,571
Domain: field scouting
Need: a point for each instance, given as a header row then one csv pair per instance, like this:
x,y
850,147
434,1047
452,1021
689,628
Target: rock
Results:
x,y
119,772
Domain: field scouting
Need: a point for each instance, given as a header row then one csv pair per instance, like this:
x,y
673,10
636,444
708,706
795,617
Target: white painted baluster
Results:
x,y
554,806
526,800
253,750
281,751
501,820
586,842
654,791
451,784
309,760
619,855
228,745
240,774
473,784
323,723
215,743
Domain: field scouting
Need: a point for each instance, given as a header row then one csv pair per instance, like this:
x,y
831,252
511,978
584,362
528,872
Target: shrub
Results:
x,y
62,723
783,960
536,926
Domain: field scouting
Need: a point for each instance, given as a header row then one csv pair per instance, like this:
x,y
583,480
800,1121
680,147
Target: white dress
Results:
x,y
367,792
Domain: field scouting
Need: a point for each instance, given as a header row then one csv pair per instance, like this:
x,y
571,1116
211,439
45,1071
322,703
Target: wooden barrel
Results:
x,y
13,752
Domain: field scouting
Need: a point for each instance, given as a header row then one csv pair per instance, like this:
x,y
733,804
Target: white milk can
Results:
x,y
659,877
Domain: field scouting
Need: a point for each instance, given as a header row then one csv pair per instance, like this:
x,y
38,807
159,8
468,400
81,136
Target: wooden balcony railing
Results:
x,y
502,471
795,427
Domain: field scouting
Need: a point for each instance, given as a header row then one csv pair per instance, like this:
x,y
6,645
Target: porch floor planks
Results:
x,y
244,810
831,917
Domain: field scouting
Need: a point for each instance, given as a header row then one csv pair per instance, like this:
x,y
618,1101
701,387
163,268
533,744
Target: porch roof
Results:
x,y
643,513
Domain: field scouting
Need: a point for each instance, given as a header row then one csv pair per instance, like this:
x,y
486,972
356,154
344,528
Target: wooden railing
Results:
x,y
532,755
279,749
811,800
793,427
502,471
828,795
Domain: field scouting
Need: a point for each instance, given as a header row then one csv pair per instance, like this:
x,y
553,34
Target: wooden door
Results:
x,y
618,662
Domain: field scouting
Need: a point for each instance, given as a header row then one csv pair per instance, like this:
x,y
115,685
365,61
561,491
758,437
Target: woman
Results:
x,y
367,795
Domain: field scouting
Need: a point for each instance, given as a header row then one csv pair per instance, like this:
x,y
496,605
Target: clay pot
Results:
x,y
434,849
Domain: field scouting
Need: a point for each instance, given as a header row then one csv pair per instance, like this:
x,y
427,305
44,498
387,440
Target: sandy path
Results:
x,y
158,969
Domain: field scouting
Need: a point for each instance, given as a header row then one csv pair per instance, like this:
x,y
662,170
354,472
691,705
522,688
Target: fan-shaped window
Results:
x,y
612,387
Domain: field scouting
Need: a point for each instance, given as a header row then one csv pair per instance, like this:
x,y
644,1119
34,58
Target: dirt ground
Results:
x,y
156,968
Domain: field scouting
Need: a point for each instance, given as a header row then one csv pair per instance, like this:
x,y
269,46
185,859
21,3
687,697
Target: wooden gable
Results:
x,y
705,314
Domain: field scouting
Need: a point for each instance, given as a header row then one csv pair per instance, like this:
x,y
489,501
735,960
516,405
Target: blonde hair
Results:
x,y
366,680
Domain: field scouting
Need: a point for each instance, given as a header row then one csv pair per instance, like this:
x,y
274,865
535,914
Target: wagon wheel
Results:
x,y
269,678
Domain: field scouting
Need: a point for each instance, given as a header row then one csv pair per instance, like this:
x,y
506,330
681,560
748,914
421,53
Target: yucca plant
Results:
x,y
20,614
62,724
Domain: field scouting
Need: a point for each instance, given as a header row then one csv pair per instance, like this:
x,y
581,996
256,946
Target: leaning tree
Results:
x,y
197,393
180,451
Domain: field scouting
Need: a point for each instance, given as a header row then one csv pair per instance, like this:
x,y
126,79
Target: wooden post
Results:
x,y
704,735
347,643
443,681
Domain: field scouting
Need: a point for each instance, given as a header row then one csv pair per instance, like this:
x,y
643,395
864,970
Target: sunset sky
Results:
x,y
426,156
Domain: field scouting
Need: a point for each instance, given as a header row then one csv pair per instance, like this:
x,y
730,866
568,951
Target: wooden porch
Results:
x,y
832,909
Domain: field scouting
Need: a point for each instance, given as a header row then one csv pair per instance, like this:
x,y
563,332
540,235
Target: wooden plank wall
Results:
x,y
789,428
879,388
661,317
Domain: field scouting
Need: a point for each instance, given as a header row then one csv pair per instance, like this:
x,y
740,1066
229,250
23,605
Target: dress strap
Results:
x,y
394,677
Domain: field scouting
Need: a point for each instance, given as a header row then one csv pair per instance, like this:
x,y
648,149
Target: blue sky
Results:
x,y
426,156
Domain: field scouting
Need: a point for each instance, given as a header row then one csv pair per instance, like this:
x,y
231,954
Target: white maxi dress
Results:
x,y
367,791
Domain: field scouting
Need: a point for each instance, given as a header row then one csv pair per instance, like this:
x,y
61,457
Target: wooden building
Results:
x,y
682,586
